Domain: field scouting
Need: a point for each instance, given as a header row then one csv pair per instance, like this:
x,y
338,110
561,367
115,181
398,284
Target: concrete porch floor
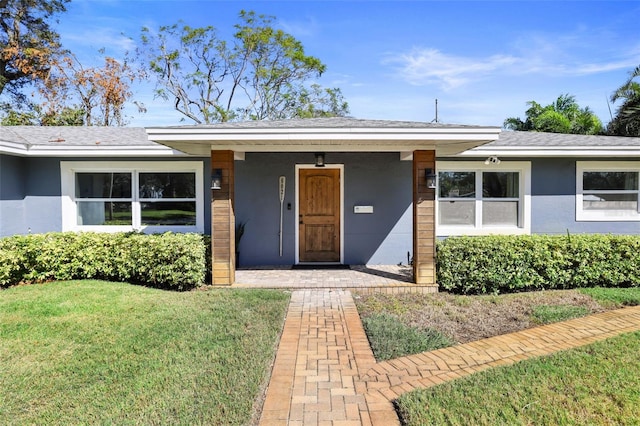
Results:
x,y
365,278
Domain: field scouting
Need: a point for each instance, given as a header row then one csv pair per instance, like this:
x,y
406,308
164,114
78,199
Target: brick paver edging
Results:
x,y
325,373
395,377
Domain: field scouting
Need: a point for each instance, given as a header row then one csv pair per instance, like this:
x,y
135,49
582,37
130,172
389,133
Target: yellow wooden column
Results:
x,y
424,221
223,222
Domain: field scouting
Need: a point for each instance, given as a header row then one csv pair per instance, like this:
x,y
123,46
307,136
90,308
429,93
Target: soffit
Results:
x,y
448,140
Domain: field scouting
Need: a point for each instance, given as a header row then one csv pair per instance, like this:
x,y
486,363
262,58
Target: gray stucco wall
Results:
x,y
553,200
384,182
42,203
380,180
30,193
13,171
30,202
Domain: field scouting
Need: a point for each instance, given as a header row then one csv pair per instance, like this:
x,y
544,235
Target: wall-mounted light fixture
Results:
x,y
320,159
492,160
216,179
430,178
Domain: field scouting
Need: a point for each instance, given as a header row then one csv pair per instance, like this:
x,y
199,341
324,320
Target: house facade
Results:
x,y
317,191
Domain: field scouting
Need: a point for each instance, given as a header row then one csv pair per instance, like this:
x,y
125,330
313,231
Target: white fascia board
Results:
x,y
553,151
114,153
98,151
266,134
13,148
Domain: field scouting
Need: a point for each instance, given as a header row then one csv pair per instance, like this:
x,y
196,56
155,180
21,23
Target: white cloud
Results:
x,y
114,42
298,29
431,66
597,68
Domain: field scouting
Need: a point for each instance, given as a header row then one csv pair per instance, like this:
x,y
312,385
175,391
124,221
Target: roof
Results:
x,y
78,140
541,139
325,122
328,134
541,144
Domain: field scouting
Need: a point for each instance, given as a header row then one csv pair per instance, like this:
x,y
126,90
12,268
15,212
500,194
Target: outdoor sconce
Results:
x,y
216,179
320,159
430,178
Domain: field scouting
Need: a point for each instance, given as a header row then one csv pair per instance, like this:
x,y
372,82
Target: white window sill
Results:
x,y
144,229
611,216
456,231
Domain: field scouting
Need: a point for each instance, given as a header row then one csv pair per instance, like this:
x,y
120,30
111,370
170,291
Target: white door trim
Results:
x,y
297,213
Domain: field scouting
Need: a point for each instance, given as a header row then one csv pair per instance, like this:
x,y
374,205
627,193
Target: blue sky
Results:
x,y
482,60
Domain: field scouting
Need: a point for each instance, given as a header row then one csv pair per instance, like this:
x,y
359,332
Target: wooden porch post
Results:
x,y
424,231
223,222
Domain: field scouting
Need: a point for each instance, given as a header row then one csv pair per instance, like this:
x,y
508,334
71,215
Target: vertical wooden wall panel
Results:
x,y
424,269
223,223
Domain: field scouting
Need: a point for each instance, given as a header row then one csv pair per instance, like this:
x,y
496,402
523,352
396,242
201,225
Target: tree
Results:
x,y
99,92
562,116
319,102
627,119
34,116
72,94
259,74
27,42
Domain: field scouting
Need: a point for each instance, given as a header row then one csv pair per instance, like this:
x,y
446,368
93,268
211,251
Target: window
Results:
x,y
457,198
104,198
474,198
607,191
167,199
147,196
500,198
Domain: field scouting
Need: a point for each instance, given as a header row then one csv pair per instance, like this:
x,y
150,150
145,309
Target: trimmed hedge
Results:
x,y
499,264
175,261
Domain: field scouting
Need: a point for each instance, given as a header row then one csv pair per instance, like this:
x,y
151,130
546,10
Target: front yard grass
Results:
x,y
391,339
87,352
462,318
593,385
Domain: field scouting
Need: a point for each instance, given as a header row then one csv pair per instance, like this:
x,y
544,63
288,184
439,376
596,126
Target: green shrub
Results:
x,y
494,264
391,339
169,260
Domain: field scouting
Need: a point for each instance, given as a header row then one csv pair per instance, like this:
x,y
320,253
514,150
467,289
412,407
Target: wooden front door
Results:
x,y
319,215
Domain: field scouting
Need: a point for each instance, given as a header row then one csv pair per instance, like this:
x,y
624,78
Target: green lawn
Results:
x,y
614,297
98,352
389,338
594,385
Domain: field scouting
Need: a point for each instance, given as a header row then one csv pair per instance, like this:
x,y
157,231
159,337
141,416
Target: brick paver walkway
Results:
x,y
364,278
325,373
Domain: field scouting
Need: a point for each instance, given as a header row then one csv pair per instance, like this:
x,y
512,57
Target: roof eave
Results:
x,y
552,151
446,141
23,150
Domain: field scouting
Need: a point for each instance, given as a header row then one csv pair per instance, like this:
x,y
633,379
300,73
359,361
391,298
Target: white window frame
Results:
x,y
523,168
68,170
605,215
